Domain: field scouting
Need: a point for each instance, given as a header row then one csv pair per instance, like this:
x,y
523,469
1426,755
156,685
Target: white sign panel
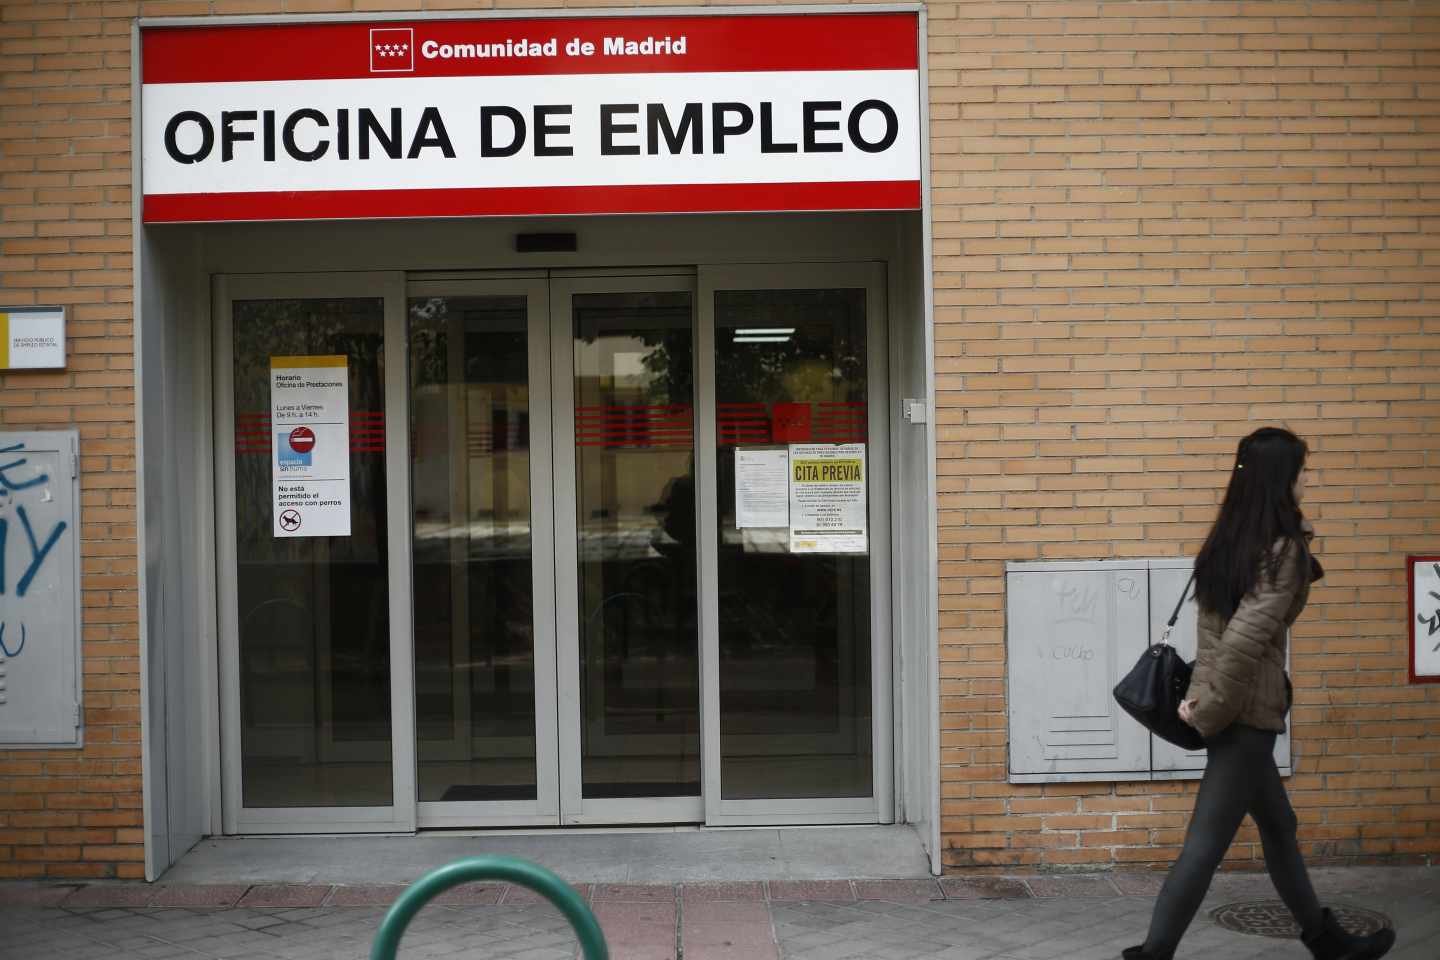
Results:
x,y
310,465
1424,577
526,117
762,488
32,338
827,498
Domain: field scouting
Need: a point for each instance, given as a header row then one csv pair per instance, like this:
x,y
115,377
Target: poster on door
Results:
x,y
827,498
310,466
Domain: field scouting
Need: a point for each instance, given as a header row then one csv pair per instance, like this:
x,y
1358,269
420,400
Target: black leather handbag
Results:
x,y
1151,692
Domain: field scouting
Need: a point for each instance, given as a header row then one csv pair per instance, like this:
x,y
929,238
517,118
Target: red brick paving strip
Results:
x,y
286,895
111,895
704,892
898,891
983,888
377,895
32,895
638,930
471,893
833,890
198,895
727,930
518,895
1072,887
635,892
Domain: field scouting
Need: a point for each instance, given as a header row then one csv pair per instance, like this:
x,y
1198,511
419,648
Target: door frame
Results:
x,y
879,807
545,808
399,816
575,809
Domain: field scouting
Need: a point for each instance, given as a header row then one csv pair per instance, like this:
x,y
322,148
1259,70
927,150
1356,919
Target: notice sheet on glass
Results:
x,y
310,427
827,498
762,488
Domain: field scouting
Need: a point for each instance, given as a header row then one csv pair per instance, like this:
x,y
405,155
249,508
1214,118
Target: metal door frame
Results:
x,y
575,809
399,816
545,808
879,807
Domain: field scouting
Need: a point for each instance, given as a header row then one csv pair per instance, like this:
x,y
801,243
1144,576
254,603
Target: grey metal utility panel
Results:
x,y
1073,629
40,682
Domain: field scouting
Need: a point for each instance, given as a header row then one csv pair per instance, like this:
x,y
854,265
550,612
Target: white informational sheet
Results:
x,y
827,498
762,488
310,427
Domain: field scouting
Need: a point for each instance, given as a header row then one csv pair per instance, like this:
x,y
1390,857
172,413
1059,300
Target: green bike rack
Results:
x,y
522,872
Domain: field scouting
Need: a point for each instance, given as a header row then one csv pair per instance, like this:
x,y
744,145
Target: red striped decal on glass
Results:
x,y
367,432
636,426
743,423
839,423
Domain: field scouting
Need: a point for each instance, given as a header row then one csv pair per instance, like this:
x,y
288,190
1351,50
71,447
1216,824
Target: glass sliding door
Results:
x,y
313,589
626,549
483,568
795,544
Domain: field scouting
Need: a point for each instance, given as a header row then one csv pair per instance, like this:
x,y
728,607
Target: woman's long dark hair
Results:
x,y
1259,509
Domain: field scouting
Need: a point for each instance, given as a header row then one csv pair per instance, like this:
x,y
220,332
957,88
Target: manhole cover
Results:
x,y
1271,918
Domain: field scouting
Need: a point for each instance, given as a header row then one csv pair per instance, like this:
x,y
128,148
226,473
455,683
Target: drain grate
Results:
x,y
1271,918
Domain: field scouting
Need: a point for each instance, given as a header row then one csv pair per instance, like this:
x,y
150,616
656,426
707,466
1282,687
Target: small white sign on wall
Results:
x,y
32,338
310,465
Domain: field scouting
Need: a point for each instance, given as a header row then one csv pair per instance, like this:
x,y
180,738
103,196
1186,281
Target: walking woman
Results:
x,y
1252,579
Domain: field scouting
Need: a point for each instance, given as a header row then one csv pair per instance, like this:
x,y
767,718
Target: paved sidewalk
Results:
x,y
958,918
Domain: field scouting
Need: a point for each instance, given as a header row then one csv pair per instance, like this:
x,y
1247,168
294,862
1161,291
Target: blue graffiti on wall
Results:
x,y
11,486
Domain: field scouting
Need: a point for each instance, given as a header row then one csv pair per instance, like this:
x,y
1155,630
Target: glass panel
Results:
x,y
635,503
314,611
794,676
474,615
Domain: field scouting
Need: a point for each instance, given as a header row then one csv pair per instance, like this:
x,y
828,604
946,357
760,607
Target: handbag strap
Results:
x,y
1175,615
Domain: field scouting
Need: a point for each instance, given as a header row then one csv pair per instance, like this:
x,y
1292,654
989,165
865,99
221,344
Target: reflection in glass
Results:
x,y
635,512
314,619
794,629
474,616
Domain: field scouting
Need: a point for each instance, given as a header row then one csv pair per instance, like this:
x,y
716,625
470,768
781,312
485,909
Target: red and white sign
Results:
x,y
519,117
302,439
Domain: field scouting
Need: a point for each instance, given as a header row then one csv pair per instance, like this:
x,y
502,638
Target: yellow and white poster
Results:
x,y
310,427
827,498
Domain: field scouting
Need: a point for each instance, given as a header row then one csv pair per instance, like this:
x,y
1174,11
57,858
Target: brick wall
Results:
x,y
1156,225
65,238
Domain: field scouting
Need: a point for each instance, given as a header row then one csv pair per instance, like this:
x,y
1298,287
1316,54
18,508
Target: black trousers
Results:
x,y
1240,778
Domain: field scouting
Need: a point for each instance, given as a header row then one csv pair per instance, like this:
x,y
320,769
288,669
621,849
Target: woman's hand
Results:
x,y
1187,711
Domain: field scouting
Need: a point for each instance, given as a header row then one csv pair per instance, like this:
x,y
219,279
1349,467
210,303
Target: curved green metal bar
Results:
x,y
510,869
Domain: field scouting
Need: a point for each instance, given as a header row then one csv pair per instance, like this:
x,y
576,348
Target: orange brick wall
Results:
x,y
1156,224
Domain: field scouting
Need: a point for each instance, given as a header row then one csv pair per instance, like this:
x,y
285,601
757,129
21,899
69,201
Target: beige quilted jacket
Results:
x,y
1240,664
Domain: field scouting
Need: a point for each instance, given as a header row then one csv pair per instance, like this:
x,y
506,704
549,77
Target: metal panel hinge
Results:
x,y
76,716
74,460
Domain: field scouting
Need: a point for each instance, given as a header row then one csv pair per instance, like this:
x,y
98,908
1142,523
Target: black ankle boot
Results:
x,y
1333,942
1139,953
